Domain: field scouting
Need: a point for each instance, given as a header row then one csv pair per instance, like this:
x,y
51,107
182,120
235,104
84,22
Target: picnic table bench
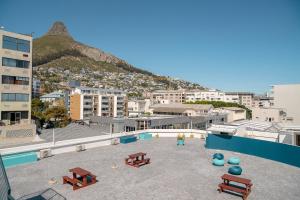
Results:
x,y
226,185
137,159
81,178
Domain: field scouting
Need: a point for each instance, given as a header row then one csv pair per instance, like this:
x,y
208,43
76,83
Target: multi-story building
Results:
x,y
277,115
245,98
288,97
16,79
36,88
263,102
168,96
87,102
211,95
137,107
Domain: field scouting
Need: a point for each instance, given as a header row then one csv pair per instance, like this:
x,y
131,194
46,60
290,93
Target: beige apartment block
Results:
x,y
288,97
16,84
244,98
87,102
168,96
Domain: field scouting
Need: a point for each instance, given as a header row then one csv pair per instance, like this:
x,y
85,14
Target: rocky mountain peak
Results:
x,y
58,28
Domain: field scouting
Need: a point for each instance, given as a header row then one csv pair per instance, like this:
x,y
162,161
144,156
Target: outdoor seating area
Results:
x,y
81,178
137,160
230,184
176,173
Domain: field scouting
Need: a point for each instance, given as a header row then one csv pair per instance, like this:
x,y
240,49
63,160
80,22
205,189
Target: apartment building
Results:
x,y
244,98
263,101
168,96
137,107
16,83
87,102
262,114
288,97
210,95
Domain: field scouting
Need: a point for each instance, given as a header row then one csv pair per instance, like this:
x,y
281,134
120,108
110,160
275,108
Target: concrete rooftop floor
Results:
x,y
175,172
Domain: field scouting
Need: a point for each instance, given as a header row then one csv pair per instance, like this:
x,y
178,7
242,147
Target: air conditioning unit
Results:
x,y
80,147
45,153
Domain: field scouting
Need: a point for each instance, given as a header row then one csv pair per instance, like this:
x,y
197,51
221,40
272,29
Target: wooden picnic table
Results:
x,y
137,159
81,178
226,185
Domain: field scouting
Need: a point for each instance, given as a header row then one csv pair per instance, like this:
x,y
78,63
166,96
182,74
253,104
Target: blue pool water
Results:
x,y
19,159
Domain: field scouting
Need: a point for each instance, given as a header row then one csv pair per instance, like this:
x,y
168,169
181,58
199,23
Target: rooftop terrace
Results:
x,y
175,172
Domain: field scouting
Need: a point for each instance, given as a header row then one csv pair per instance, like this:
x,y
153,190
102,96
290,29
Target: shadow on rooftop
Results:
x,y
43,195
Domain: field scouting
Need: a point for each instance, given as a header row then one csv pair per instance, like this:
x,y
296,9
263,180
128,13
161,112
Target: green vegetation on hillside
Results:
x,y
48,46
75,64
218,104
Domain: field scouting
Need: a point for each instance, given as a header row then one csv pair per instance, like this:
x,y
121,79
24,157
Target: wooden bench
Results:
x,y
137,160
226,185
72,181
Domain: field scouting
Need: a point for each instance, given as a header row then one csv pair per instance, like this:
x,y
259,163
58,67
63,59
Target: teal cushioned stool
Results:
x,y
234,161
235,170
218,156
218,162
180,142
145,136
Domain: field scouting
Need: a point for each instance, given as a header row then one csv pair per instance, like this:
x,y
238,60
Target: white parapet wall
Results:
x,y
175,132
98,141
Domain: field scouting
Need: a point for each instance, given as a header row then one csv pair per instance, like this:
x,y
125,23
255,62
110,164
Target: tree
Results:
x,y
58,115
37,109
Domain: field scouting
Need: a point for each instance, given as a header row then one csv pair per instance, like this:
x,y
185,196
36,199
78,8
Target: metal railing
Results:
x,y
4,184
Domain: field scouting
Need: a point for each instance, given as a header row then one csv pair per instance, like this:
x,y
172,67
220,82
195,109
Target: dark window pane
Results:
x,y
24,115
9,62
16,44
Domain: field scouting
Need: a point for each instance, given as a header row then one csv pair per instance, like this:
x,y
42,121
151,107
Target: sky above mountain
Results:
x,y
233,45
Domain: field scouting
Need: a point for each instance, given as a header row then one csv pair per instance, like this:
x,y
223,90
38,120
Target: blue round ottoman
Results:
x,y
235,170
218,162
218,156
234,161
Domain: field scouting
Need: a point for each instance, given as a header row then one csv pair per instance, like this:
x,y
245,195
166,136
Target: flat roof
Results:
x,y
174,172
181,107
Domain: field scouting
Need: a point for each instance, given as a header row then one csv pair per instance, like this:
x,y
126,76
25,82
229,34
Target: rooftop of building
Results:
x,y
56,94
232,108
10,33
98,89
175,172
239,93
181,107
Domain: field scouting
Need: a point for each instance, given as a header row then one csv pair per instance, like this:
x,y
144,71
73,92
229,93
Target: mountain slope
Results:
x,y
58,58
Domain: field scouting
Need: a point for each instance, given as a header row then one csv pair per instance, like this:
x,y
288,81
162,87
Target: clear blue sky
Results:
x,y
232,45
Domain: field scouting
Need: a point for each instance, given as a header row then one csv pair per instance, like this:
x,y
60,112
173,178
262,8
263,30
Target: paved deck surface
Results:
x,y
175,172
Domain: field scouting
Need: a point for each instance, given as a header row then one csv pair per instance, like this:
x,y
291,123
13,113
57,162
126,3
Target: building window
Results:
x,y
5,115
14,97
9,62
16,80
16,44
